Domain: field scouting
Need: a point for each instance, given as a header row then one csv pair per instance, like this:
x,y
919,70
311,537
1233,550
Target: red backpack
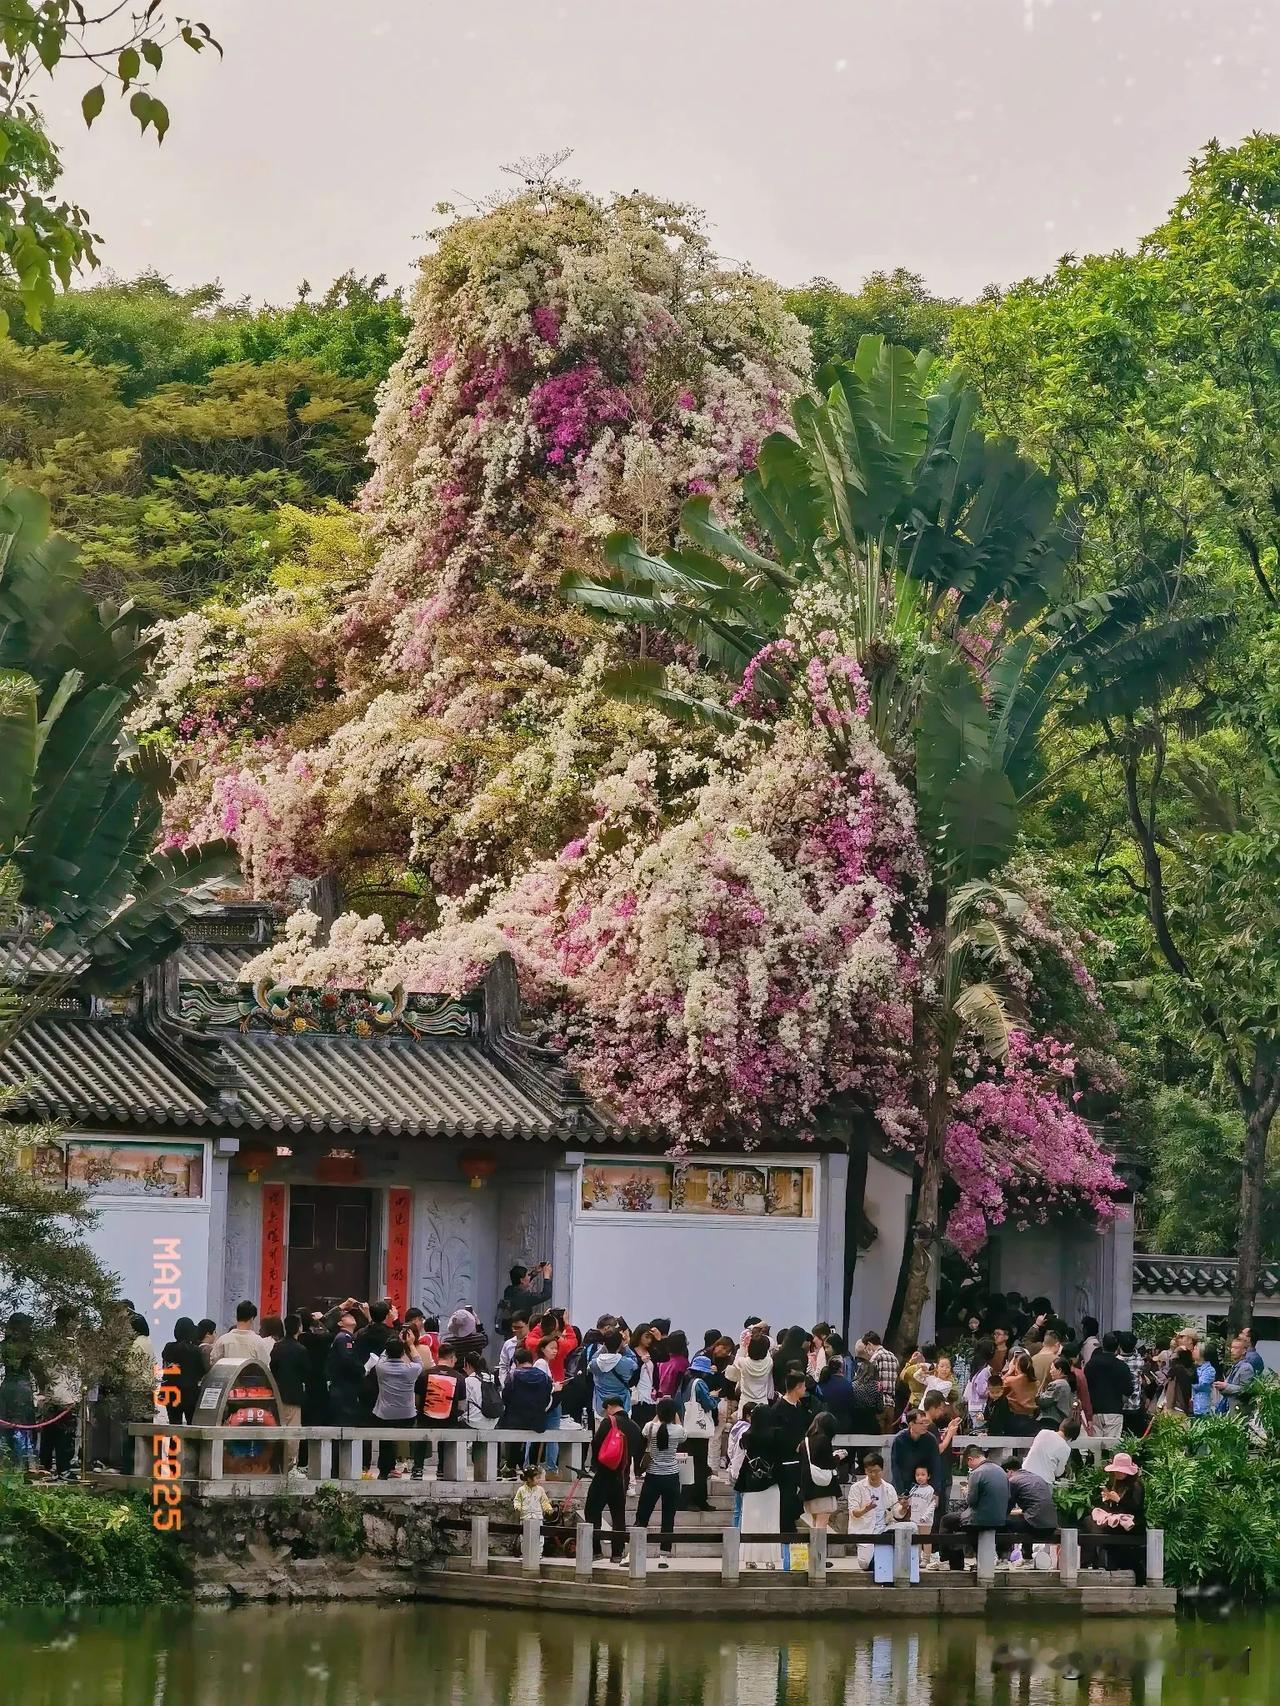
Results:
x,y
613,1448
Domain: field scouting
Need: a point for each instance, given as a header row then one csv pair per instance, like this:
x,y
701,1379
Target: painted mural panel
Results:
x,y
102,1168
665,1187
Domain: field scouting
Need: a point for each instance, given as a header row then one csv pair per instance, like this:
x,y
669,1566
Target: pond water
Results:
x,y
436,1655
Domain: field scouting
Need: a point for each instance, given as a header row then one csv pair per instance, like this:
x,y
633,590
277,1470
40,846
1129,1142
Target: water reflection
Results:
x,y
432,1655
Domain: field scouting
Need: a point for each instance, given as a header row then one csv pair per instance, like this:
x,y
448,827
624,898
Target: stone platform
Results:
x,y
693,1587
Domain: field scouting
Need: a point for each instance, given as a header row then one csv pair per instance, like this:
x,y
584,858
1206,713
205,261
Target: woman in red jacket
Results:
x,y
561,1341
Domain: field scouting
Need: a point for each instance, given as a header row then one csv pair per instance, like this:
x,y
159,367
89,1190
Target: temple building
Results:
x,y
298,1147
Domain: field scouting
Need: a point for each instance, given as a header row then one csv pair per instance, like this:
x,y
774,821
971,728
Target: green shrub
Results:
x,y
335,1523
59,1543
1213,1486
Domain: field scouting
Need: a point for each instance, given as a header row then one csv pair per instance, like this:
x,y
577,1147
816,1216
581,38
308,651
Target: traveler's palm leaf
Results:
x,y
79,805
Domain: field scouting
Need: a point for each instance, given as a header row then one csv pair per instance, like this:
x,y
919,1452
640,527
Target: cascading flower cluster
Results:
x,y
1017,1149
574,365
722,933
727,972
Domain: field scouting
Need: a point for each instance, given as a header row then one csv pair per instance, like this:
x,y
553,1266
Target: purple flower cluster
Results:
x,y
570,407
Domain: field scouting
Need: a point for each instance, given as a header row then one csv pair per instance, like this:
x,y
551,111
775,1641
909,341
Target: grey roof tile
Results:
x,y
437,1089
80,1068
103,1069
215,962
1207,1277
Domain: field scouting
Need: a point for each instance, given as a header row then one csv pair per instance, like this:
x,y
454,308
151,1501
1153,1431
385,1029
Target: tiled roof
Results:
x,y
83,1068
1207,1277
432,1089
95,1069
215,962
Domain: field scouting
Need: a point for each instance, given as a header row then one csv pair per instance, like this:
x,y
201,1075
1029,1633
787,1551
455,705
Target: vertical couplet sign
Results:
x,y
399,1225
271,1289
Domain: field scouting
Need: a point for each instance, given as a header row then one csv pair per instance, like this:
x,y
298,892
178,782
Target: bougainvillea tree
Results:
x,y
726,924
731,945
432,706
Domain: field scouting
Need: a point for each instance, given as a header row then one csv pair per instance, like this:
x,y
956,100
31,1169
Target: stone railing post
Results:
x,y
584,1552
350,1460
817,1556
901,1556
986,1556
639,1553
1155,1557
480,1543
730,1554
1069,1555
531,1547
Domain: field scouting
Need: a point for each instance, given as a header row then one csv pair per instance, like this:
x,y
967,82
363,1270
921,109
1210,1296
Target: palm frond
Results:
x,y
644,682
980,1009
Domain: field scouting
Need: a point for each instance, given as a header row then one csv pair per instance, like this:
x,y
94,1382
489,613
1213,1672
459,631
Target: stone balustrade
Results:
x,y
461,1458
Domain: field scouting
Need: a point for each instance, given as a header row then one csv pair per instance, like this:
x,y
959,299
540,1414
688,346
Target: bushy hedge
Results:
x,y
57,1543
1213,1486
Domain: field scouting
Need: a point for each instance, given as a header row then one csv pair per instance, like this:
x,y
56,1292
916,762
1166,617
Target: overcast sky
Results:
x,y
971,140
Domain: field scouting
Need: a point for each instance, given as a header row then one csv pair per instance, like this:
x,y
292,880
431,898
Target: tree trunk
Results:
x,y
924,1227
1259,1109
855,1196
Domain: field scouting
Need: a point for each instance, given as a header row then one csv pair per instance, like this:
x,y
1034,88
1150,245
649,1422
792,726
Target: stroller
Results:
x,y
559,1543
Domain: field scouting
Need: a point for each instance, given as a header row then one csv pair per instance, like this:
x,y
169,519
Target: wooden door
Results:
x,y
330,1239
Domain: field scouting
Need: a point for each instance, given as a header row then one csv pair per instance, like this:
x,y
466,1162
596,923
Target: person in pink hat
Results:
x,y
1119,1516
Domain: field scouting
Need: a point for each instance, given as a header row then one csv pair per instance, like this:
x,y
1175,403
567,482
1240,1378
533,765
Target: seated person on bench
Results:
x,y
986,1505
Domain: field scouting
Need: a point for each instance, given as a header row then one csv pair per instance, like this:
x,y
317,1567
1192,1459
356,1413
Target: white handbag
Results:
x,y
817,1474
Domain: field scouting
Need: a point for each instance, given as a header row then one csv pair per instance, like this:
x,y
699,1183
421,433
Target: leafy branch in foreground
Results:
x,y
44,240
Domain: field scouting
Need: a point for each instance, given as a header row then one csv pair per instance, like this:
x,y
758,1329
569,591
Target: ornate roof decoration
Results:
x,y
187,1050
293,1011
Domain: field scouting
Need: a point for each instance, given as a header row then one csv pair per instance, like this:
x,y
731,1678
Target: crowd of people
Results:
x,y
757,1409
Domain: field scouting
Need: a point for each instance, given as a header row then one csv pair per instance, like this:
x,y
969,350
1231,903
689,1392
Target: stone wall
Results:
x,y
331,1545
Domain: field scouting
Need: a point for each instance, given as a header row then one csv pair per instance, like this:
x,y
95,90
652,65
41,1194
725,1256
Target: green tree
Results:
x,y
155,335
182,492
143,330
1149,384
47,1264
1192,1202
897,306
43,241
355,329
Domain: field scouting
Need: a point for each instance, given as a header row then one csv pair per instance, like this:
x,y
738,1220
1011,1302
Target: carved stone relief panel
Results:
x,y
242,1269
522,1227
454,1250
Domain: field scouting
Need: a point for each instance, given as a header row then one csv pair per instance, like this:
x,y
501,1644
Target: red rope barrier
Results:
x,y
34,1427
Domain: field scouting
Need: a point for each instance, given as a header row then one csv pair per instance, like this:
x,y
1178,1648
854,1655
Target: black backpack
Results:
x,y
490,1398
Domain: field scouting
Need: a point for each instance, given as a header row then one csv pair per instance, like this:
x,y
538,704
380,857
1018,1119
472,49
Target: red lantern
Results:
x,y
475,1169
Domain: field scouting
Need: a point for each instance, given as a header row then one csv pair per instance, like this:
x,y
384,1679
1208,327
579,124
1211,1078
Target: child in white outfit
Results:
x,y
531,1497
919,1507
